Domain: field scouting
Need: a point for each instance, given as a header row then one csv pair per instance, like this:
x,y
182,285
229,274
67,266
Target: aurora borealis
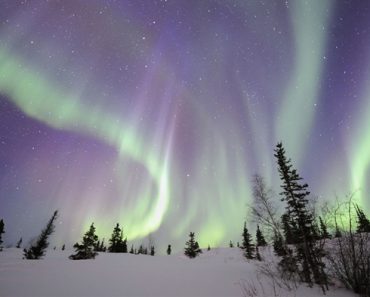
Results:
x,y
156,114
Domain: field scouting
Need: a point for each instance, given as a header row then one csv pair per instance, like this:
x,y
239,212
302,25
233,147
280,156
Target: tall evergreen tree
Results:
x,y
86,250
169,250
2,231
308,254
231,244
132,249
363,223
63,247
37,250
260,239
247,245
117,243
192,247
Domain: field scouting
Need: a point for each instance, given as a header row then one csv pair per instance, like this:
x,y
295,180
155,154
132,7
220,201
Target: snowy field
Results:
x,y
219,272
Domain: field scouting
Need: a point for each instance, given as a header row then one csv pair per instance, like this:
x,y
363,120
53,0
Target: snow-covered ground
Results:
x,y
219,272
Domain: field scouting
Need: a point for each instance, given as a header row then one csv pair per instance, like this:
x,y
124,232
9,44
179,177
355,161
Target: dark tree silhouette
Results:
x,y
192,247
85,250
169,250
152,250
363,223
2,231
117,243
247,245
308,253
260,239
37,250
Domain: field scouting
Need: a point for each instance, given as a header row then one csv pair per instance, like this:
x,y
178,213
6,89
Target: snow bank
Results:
x,y
219,272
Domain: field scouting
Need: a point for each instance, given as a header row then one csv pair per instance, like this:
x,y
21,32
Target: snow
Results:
x,y
218,272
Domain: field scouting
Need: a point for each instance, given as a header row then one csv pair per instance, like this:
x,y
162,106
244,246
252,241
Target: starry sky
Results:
x,y
156,113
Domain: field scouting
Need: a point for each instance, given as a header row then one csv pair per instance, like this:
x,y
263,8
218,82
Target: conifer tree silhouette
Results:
x,y
2,231
192,247
85,250
260,239
363,223
38,250
117,243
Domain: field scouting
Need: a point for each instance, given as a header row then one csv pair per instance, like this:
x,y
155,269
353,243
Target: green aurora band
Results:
x,y
48,103
303,88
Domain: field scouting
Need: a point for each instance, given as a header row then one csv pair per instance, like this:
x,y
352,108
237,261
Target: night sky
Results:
x,y
156,113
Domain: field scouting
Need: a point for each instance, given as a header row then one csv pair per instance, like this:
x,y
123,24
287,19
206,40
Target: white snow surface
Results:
x,y
218,272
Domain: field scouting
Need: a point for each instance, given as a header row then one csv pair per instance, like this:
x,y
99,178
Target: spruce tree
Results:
x,y
192,247
208,248
247,245
2,231
260,239
117,244
152,250
245,237
19,243
308,254
169,250
141,249
86,250
132,249
363,223
37,250
231,244
63,247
